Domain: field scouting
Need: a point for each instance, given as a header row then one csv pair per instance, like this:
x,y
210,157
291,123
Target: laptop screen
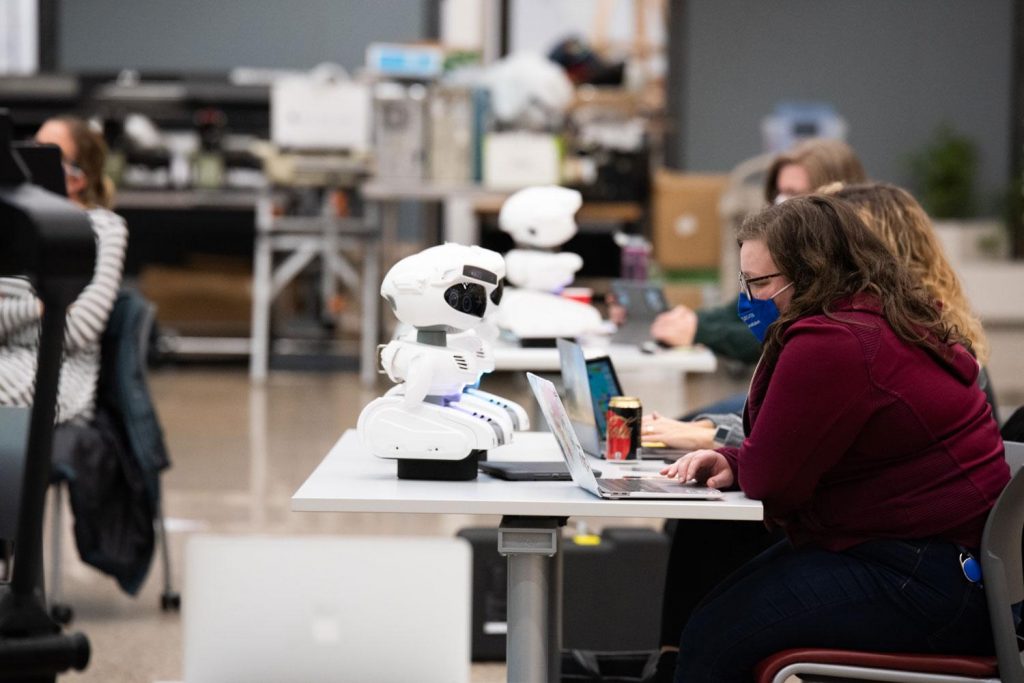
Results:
x,y
578,403
603,385
44,163
643,300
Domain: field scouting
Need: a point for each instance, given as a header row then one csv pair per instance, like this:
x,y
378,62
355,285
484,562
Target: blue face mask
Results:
x,y
758,314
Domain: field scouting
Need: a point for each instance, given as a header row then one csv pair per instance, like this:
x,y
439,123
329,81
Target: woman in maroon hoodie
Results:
x,y
868,442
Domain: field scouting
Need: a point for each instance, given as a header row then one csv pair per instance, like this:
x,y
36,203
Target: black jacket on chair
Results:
x,y
112,465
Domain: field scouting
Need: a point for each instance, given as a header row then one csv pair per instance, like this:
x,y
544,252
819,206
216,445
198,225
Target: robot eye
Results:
x,y
467,298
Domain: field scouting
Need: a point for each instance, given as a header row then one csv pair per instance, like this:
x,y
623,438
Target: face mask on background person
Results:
x,y
758,314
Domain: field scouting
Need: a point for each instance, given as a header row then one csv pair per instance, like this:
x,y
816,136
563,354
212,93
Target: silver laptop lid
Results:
x,y
321,609
558,421
578,401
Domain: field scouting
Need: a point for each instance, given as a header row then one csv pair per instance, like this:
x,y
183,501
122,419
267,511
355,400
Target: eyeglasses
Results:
x,y
71,169
745,282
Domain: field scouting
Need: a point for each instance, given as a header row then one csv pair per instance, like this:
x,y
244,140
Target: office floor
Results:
x,y
239,453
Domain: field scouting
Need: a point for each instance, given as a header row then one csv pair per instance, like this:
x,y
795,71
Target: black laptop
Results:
x,y
545,470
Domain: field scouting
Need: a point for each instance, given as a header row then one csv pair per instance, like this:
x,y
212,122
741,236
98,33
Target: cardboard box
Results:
x,y
209,296
320,112
687,225
689,294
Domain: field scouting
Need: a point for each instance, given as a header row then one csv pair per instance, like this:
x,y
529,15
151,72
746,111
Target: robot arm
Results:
x,y
419,377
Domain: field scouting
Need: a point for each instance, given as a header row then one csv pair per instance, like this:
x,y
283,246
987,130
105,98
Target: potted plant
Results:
x,y
943,175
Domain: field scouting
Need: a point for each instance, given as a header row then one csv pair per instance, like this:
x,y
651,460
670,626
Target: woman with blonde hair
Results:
x,y
895,216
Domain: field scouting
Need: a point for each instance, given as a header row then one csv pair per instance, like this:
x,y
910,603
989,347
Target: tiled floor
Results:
x,y
239,453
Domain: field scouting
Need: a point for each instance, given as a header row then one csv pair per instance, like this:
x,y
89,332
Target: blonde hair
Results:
x,y
895,216
825,161
91,157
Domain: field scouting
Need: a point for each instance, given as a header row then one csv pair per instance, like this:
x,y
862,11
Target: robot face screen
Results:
x,y
498,291
468,298
480,274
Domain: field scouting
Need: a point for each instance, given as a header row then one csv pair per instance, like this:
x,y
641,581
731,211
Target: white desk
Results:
x,y
659,378
351,480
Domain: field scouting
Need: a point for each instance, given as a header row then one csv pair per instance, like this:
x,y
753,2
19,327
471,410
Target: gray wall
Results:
x,y
894,69
218,35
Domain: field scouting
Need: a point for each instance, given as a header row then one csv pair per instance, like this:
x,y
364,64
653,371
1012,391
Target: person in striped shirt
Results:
x,y
84,156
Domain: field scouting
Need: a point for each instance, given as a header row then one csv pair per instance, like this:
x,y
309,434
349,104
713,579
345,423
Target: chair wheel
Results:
x,y
62,614
170,602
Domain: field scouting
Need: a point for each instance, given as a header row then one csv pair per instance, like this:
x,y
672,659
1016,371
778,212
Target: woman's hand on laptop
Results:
x,y
677,434
676,327
707,468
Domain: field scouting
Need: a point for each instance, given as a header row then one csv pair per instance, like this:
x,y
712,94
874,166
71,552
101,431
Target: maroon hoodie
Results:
x,y
856,434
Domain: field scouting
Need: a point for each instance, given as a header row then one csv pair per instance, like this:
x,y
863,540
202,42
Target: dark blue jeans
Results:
x,y
732,404
886,596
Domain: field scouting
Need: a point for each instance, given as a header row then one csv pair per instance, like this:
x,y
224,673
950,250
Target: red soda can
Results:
x,y
624,416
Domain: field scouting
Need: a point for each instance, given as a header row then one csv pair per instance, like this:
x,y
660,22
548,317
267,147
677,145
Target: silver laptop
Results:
x,y
313,609
579,466
589,386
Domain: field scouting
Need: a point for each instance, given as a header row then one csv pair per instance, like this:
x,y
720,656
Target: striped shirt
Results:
x,y
86,320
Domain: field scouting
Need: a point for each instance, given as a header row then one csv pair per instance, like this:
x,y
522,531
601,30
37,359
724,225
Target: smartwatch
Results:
x,y
721,435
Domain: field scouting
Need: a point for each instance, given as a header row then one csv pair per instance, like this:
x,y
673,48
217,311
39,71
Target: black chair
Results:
x,y
1013,428
47,238
122,392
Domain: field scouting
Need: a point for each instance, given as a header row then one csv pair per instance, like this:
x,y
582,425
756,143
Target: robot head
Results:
x,y
541,216
447,288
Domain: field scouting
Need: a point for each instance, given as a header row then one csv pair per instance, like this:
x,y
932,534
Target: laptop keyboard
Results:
x,y
625,485
652,486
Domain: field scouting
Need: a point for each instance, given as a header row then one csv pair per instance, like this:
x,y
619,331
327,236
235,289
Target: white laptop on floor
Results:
x,y
579,466
313,609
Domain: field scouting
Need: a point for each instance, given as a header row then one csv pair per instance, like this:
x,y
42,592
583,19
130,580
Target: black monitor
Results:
x,y
44,163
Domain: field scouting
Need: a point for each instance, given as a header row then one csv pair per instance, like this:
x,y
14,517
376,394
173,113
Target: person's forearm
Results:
x,y
87,317
733,425
16,313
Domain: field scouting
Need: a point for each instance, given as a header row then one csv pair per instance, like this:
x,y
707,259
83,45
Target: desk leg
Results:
x,y
388,217
534,614
370,334
262,292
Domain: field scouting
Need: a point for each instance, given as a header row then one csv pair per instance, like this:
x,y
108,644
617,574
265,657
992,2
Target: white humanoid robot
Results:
x,y
435,422
541,219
